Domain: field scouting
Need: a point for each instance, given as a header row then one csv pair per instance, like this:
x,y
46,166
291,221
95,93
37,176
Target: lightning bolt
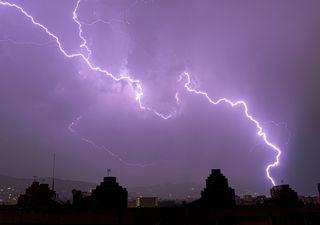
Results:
x,y
133,83
284,127
102,147
84,41
243,104
138,90
176,97
107,22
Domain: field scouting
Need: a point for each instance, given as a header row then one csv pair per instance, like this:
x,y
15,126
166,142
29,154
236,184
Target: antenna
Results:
x,y
53,168
108,172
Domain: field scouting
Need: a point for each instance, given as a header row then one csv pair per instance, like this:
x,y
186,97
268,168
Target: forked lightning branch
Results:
x,y
137,86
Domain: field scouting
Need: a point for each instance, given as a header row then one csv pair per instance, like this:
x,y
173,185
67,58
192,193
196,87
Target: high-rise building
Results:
x,y
81,199
284,195
319,189
109,194
38,195
217,192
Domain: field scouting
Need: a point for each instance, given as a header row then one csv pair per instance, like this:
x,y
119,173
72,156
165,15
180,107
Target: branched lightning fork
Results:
x,y
102,147
84,41
260,130
107,22
134,83
137,87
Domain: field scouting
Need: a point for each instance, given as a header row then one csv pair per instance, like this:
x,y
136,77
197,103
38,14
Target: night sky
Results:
x,y
266,53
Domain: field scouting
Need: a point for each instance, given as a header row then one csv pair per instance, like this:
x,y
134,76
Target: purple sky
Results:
x,y
264,52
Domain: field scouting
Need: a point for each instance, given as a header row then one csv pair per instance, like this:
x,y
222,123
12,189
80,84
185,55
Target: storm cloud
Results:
x,y
263,52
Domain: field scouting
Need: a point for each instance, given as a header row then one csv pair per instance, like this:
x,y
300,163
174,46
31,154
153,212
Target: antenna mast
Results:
x,y
53,169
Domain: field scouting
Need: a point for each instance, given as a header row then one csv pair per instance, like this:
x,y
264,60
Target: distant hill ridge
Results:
x,y
64,188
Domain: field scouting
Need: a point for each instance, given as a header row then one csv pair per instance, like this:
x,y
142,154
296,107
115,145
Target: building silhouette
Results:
x,y
216,206
318,189
38,195
81,199
217,192
108,194
284,195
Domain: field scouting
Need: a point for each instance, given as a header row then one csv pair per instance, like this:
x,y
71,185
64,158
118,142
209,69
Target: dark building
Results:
x,y
38,195
319,189
284,195
217,192
216,206
108,194
81,199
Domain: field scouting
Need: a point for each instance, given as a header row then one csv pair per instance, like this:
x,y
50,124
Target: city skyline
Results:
x,y
55,103
216,193
108,202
